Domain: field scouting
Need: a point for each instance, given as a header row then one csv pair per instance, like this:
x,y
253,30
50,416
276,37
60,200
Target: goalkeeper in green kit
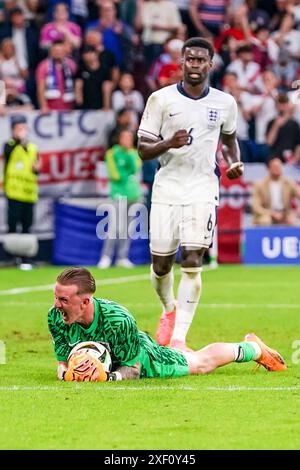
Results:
x,y
77,316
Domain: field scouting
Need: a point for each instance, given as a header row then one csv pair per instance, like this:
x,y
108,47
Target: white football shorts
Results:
x,y
186,225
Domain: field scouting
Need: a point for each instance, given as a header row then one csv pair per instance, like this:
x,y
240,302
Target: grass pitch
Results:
x,y
232,408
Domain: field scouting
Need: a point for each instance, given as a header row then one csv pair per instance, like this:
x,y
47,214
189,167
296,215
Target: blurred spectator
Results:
x,y
93,37
245,68
61,29
128,10
172,73
283,132
25,36
209,16
162,59
184,10
15,102
55,80
256,31
123,164
158,20
264,110
244,102
257,17
286,70
20,185
234,29
93,85
34,11
118,37
127,96
273,198
294,97
125,120
10,70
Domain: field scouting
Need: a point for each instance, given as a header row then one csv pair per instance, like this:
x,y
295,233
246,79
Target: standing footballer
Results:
x,y
182,125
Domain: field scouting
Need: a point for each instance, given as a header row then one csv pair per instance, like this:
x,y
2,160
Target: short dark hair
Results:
x,y
199,42
16,11
57,42
17,119
282,98
244,48
88,48
81,277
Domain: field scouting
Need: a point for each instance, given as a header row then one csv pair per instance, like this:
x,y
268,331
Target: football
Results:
x,y
96,350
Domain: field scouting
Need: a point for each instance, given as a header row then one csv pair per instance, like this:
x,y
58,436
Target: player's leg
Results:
x,y
196,233
164,245
189,291
162,279
219,354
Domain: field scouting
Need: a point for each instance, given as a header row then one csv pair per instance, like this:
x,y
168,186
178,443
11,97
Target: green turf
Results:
x,y
232,408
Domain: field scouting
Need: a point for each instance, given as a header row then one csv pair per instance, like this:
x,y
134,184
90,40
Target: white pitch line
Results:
x,y
99,282
77,387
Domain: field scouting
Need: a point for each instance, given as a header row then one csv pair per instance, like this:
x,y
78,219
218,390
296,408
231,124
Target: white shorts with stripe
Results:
x,y
186,225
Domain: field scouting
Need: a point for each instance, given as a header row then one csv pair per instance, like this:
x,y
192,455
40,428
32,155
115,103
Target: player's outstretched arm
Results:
x,y
149,149
232,155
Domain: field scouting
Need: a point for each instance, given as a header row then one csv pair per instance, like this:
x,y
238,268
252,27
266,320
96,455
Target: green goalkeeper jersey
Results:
x,y
114,325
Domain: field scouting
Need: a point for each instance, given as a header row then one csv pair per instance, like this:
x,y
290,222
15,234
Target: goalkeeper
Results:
x,y
78,316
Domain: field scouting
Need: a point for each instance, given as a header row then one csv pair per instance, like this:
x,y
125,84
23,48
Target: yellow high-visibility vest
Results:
x,y
20,182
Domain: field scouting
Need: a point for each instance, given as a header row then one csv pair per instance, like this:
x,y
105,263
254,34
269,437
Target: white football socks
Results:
x,y
164,289
189,291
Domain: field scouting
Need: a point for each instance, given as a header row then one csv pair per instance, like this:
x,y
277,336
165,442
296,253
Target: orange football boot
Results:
x,y
165,328
269,359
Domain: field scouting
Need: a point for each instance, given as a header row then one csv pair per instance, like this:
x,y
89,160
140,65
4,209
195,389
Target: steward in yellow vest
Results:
x,y
20,177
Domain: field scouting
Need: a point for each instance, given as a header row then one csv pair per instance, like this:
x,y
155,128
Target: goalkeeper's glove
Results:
x,y
87,369
84,368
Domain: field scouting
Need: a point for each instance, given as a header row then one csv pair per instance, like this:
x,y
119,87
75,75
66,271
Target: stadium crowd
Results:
x,y
111,54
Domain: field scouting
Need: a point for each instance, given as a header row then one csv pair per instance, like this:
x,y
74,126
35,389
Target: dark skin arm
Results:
x,y
149,149
231,154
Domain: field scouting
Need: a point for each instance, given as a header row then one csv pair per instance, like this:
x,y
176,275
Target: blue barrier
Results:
x,y
271,245
76,242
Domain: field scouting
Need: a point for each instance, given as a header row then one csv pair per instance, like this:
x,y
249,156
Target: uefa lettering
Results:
x,y
289,247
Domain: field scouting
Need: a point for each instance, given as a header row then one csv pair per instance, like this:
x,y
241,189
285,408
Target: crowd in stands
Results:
x,y
111,54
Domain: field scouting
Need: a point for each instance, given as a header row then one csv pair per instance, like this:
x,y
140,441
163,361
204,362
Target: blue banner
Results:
x,y
76,241
271,245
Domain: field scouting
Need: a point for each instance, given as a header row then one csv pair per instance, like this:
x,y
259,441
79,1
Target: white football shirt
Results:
x,y
188,174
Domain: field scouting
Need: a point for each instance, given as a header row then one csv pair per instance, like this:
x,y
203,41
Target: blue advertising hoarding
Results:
x,y
271,245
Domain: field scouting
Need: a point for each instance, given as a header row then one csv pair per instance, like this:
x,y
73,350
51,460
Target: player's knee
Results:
x,y
199,363
192,258
206,365
161,268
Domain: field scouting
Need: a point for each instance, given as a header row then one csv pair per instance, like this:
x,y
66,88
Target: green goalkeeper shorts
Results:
x,y
160,361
